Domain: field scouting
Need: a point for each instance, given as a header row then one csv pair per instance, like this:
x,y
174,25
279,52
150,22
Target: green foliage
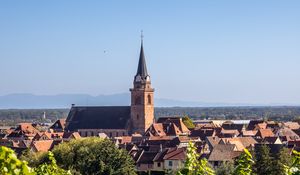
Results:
x,y
188,122
226,168
281,163
193,166
33,159
90,156
50,168
263,162
244,164
294,169
11,165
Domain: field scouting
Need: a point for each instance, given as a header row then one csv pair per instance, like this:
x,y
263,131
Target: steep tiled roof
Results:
x,y
146,157
42,145
213,141
290,134
203,133
176,120
175,154
264,133
232,126
251,133
252,124
25,130
292,125
59,124
270,140
223,152
101,117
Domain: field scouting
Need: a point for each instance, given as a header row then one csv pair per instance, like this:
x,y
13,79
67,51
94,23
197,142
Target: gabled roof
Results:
x,y
264,133
24,130
203,133
252,124
98,117
146,157
232,126
292,125
175,154
271,140
290,134
59,124
176,120
223,152
42,145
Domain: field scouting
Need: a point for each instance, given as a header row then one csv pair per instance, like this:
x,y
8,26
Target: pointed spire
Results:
x,y
142,68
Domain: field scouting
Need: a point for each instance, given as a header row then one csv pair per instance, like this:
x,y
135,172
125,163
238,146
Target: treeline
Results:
x,y
84,156
10,117
284,113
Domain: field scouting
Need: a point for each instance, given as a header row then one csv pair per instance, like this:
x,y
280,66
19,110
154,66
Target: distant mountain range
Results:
x,y
30,101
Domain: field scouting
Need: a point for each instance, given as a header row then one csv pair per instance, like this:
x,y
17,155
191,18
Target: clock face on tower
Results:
x,y
138,78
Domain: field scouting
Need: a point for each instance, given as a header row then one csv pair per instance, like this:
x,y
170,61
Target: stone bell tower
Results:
x,y
142,100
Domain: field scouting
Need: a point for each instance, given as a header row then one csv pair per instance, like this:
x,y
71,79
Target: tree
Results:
x,y
244,164
281,162
226,168
193,166
50,168
93,155
294,169
188,122
11,165
33,159
263,162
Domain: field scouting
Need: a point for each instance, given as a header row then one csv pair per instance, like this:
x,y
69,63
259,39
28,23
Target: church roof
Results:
x,y
98,117
142,68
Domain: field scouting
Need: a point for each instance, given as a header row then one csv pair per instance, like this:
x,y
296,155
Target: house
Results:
x,y
174,159
24,131
229,133
145,161
58,125
271,140
223,153
288,133
41,145
262,133
292,125
177,121
163,129
159,160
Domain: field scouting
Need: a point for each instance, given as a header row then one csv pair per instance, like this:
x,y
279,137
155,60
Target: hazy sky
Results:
x,y
210,51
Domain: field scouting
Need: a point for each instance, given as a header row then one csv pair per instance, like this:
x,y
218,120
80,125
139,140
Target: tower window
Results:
x,y
137,117
149,99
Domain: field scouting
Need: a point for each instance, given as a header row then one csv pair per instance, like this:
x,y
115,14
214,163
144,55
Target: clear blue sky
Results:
x,y
210,51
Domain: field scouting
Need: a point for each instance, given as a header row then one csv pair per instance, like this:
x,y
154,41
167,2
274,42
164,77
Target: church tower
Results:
x,y
142,101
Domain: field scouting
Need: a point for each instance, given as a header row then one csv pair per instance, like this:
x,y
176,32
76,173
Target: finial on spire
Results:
x,y
142,36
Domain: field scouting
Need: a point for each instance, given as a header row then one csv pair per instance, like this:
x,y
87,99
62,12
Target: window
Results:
x,y
149,99
117,134
170,163
137,116
158,164
110,134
